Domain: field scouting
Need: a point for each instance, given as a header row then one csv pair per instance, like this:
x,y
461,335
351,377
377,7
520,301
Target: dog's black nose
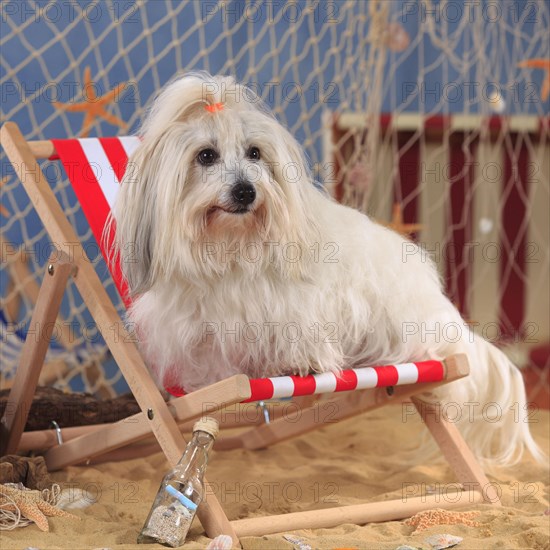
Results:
x,y
243,193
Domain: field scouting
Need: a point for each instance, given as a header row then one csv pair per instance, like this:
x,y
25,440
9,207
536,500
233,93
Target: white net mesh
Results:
x,y
329,70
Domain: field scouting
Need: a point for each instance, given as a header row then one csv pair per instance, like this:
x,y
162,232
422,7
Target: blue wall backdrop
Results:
x,y
303,57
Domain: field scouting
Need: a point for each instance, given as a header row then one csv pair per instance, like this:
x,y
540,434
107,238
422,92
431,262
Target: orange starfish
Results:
x,y
31,505
397,222
543,64
437,516
93,105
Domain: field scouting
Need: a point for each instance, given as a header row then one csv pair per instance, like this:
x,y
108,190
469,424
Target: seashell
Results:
x,y
485,225
359,176
74,499
439,542
297,542
397,38
221,542
496,101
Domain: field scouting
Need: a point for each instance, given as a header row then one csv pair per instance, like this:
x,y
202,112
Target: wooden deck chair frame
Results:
x,y
162,418
22,284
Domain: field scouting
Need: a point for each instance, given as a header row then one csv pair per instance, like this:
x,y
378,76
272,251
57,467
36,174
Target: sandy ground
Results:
x,y
365,458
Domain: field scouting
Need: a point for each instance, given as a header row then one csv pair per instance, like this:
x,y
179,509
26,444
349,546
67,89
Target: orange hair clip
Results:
x,y
215,107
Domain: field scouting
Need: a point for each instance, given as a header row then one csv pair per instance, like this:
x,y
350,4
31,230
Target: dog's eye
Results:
x,y
207,157
254,153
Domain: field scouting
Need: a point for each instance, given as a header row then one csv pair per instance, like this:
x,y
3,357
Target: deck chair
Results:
x,y
354,391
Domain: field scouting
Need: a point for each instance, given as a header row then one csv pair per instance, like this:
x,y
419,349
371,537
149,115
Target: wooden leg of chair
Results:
x,y
456,451
34,351
27,286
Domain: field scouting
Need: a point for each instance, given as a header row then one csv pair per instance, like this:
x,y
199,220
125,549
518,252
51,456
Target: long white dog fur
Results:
x,y
282,279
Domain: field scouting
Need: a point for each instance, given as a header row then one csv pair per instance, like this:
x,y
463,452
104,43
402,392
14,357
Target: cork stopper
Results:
x,y
207,424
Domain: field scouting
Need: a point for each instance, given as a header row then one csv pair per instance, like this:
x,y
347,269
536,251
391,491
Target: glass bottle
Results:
x,y
181,490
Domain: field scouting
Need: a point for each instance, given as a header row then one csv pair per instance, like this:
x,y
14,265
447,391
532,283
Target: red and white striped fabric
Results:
x,y
348,380
96,166
282,387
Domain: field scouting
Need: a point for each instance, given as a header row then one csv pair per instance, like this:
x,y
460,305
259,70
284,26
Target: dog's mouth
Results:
x,y
236,210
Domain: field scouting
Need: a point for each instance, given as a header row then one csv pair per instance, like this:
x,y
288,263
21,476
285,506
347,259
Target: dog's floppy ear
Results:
x,y
133,221
295,216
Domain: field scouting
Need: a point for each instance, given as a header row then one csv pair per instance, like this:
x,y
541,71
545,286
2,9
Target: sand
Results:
x,y
365,458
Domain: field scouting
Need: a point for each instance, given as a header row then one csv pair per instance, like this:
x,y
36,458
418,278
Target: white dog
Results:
x,y
239,264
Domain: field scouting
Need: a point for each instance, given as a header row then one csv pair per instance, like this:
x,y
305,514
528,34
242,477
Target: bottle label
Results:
x,y
181,498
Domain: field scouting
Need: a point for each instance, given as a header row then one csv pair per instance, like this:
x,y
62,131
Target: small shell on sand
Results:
x,y
221,542
298,543
439,542
74,498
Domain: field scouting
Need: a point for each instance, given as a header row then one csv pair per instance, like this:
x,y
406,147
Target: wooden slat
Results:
x,y
239,416
213,398
34,352
42,149
39,440
358,514
31,289
136,427
27,285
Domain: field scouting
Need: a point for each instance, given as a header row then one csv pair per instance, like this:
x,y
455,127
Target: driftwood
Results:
x,y
31,472
72,409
